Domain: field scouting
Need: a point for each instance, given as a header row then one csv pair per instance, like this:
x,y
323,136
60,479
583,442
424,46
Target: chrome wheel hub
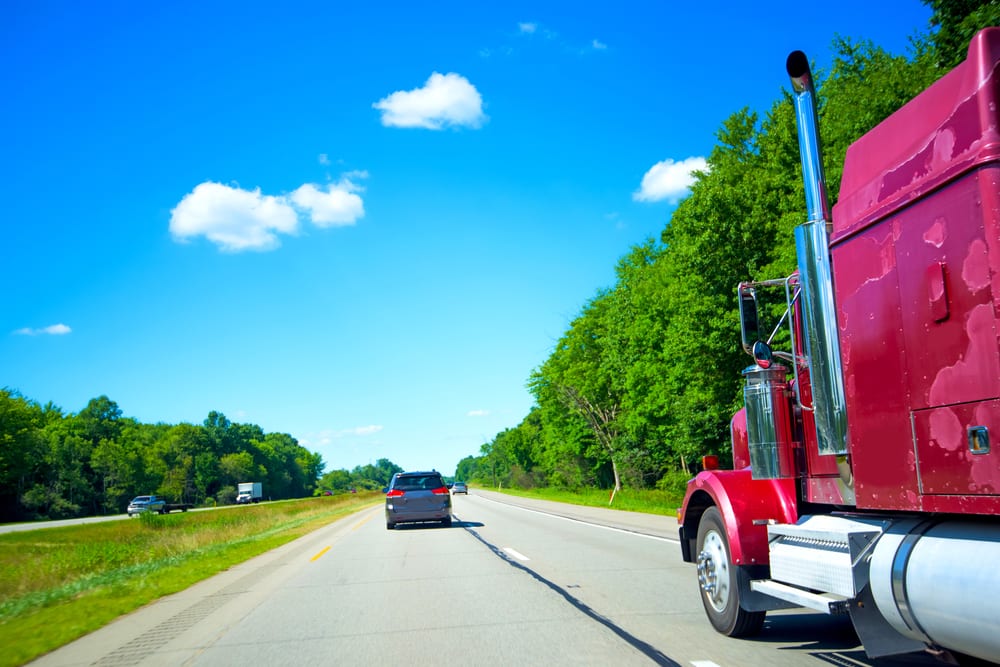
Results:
x,y
713,571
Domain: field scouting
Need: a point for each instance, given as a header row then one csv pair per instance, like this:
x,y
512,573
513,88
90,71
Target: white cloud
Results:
x,y
358,431
669,180
237,220
52,330
335,205
599,45
342,440
324,159
478,413
445,100
531,28
232,218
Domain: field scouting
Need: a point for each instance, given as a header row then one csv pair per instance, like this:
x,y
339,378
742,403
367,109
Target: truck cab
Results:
x,y
865,481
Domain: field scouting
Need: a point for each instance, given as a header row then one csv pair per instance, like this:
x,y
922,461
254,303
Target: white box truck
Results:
x,y
248,492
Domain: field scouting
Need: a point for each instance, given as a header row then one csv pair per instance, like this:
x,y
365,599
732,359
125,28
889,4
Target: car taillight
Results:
x,y
395,493
443,491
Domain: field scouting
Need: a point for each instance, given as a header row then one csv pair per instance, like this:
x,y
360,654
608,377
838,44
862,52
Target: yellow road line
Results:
x,y
354,527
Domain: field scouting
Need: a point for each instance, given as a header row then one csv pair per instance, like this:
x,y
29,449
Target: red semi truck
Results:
x,y
865,476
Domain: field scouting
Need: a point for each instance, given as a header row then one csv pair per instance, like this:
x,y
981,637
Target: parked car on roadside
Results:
x,y
413,497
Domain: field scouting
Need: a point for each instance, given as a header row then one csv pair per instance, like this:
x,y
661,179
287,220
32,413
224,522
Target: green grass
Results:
x,y
58,584
649,501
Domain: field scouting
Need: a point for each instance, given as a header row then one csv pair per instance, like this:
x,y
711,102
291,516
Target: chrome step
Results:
x,y
824,603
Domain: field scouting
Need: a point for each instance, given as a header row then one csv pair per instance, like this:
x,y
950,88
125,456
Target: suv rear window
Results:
x,y
418,482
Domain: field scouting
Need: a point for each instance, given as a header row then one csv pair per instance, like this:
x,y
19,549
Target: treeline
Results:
x,y
647,377
59,465
369,477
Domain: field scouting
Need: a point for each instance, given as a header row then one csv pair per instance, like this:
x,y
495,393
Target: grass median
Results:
x,y
650,501
58,584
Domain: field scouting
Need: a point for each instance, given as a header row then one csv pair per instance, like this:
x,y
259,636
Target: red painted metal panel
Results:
x,y
945,131
875,371
946,460
954,359
740,438
967,504
989,190
817,465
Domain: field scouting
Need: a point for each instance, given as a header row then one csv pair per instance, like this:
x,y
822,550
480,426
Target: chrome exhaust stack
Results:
x,y
812,246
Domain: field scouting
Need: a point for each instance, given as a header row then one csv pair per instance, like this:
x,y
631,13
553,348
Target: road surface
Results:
x,y
512,582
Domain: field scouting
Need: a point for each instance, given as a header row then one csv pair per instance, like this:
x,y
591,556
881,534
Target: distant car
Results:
x,y
413,497
460,487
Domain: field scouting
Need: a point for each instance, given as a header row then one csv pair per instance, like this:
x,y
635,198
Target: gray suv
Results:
x,y
413,497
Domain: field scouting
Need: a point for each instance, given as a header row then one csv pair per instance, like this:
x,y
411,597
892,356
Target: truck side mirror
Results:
x,y
762,354
749,326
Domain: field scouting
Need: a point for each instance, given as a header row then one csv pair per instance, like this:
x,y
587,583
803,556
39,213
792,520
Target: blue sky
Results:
x,y
363,224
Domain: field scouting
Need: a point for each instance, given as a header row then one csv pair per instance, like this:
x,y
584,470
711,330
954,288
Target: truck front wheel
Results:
x,y
721,581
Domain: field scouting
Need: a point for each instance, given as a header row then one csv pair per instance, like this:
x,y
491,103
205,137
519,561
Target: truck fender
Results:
x,y
747,505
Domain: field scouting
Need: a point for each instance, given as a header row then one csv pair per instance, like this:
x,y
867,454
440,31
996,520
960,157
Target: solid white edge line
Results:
x,y
585,523
516,554
703,663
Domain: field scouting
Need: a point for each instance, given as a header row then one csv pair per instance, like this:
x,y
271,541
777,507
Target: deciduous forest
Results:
x,y
58,465
647,377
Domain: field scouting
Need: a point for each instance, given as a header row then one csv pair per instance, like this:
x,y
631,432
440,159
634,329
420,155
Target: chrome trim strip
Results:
x,y
899,594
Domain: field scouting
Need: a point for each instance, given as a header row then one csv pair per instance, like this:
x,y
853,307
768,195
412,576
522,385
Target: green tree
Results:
x,y
584,375
21,447
467,469
100,420
375,476
335,481
120,467
239,467
174,461
956,22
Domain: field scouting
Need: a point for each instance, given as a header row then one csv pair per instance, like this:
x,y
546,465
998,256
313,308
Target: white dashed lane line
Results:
x,y
514,554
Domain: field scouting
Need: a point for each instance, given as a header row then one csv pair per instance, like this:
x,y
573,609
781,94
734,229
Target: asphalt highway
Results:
x,y
512,582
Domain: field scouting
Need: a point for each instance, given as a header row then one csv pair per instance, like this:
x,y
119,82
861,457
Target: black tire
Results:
x,y
389,525
446,522
721,581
